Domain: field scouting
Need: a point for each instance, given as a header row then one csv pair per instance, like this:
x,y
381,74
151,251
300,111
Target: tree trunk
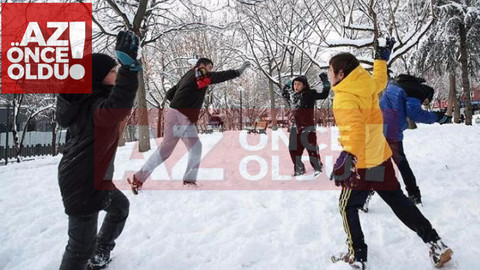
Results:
x,y
143,132
160,123
273,111
452,107
54,136
465,79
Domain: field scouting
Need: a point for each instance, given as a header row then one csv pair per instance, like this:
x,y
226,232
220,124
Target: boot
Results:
x,y
440,254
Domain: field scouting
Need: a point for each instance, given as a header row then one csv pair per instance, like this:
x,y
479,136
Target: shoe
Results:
x,y
440,254
317,173
299,172
357,265
135,185
100,260
417,200
190,183
343,257
349,258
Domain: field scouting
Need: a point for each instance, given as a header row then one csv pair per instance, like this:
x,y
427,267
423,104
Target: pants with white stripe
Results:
x,y
382,179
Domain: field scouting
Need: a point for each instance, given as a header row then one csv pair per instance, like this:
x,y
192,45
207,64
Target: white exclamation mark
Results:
x,y
77,43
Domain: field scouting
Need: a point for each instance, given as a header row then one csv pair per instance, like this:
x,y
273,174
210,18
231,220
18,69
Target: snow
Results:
x,y
187,229
350,42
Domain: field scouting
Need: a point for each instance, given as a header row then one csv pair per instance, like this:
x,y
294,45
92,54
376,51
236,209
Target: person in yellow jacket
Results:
x,y
365,163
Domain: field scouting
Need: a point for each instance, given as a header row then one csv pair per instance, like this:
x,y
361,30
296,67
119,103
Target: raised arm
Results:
x,y
113,109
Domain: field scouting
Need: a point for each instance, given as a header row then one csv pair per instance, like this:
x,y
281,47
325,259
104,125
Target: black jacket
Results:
x,y
303,103
188,94
92,122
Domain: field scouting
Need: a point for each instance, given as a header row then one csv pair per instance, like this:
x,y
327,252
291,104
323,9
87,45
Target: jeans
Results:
x,y
83,239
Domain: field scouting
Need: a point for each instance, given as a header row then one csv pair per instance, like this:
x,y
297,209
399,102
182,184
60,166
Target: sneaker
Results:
x,y
343,257
135,185
190,183
357,265
350,259
299,172
100,260
317,173
440,254
417,200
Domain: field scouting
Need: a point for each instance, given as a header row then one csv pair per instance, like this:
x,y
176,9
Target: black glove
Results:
x,y
383,53
245,65
286,94
324,78
126,50
345,171
443,118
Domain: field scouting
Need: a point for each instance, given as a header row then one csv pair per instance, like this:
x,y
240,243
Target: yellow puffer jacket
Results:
x,y
358,115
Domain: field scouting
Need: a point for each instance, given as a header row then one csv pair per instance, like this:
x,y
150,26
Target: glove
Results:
x,y
126,50
286,94
324,78
443,118
383,53
245,65
288,85
345,171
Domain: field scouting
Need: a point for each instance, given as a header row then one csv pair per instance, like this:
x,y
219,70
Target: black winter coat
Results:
x,y
92,122
188,94
303,104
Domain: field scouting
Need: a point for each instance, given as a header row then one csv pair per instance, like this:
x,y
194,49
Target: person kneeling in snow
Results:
x,y
92,122
365,163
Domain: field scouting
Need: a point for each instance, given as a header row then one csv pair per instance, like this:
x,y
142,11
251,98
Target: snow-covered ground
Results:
x,y
187,229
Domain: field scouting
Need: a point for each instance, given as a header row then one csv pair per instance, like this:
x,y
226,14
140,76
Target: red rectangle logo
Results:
x,y
46,48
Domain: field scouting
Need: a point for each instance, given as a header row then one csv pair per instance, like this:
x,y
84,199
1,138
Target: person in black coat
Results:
x,y
86,168
303,133
186,99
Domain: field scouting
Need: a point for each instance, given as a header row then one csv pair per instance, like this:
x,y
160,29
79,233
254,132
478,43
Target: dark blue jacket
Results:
x,y
396,107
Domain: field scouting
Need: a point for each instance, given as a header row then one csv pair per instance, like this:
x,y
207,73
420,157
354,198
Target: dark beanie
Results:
x,y
101,66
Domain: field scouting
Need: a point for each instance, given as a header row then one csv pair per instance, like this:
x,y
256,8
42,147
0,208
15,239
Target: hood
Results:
x,y
359,82
302,79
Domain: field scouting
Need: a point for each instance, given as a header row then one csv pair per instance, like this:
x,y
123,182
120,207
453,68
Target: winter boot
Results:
x,y
100,259
440,254
135,185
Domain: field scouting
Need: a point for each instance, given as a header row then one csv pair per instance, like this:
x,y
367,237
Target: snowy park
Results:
x,y
240,134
